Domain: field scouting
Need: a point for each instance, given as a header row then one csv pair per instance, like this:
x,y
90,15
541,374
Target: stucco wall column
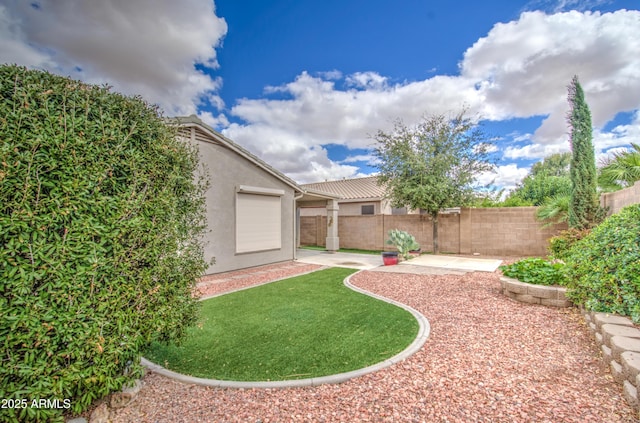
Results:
x,y
332,240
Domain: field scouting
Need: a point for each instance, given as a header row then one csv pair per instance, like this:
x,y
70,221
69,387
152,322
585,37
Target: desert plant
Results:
x,y
403,241
604,267
536,271
101,223
622,170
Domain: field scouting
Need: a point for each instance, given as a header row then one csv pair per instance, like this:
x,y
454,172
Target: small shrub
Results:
x,y
403,241
536,271
560,245
604,267
101,221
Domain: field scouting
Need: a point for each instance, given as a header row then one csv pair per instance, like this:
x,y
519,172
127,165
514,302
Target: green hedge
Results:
x,y
101,221
604,267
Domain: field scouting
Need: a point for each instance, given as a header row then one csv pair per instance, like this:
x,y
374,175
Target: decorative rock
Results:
x,y
77,420
604,318
100,414
608,331
630,365
128,394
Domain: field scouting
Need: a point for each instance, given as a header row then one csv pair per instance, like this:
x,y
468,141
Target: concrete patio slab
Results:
x,y
455,262
424,264
348,260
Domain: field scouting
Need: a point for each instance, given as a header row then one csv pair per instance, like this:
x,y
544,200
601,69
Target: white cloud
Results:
x,y
524,66
145,47
520,69
505,176
299,160
367,158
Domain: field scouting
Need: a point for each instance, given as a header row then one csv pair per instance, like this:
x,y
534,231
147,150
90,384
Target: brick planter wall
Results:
x,y
619,341
553,296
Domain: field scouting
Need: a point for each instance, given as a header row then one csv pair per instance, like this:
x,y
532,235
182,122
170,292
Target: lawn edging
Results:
x,y
423,333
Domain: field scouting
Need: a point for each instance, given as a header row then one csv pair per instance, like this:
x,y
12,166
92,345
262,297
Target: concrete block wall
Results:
x,y
363,232
620,199
512,231
619,341
509,231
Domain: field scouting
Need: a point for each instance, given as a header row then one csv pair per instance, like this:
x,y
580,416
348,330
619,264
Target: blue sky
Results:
x,y
303,84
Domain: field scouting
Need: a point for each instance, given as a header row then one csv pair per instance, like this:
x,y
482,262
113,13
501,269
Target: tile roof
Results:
x,y
350,189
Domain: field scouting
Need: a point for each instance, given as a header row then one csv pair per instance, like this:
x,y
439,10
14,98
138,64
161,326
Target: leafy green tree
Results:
x,y
557,164
432,165
547,180
622,170
101,225
584,208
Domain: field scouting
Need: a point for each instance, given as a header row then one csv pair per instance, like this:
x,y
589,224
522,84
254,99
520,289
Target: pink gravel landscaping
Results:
x,y
487,359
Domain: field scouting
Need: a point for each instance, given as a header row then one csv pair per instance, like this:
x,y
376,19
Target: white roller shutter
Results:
x,y
258,219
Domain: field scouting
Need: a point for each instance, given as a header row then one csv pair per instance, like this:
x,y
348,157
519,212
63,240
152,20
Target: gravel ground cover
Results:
x,y
230,281
488,359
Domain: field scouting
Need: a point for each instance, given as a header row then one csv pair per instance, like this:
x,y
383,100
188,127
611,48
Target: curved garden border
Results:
x,y
423,333
553,296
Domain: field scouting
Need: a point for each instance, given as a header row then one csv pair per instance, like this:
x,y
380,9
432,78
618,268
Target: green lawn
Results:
x,y
306,326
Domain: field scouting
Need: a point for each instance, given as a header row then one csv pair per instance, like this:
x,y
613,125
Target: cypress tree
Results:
x,y
584,204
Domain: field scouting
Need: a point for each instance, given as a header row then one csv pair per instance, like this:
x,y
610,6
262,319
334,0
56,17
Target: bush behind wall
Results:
x,y
100,225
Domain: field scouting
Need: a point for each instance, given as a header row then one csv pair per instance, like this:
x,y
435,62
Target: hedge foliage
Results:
x,y
560,245
604,267
101,222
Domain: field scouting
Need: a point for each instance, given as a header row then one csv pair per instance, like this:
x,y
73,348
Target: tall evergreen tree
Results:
x,y
584,205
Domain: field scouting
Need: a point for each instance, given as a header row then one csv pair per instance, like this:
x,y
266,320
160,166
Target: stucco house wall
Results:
x,y
230,168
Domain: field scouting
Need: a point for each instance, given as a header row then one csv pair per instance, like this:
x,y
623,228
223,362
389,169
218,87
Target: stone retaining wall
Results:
x,y
619,341
553,296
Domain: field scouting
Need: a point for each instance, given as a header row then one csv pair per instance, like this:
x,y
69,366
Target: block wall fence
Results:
x,y
508,231
501,231
619,199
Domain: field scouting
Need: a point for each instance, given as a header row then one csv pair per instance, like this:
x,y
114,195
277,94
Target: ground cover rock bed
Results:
x,y
488,359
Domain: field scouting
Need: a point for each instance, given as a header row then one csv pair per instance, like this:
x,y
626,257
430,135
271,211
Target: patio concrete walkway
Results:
x,y
424,264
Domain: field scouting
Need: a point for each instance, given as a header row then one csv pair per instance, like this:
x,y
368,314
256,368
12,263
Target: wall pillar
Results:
x,y
465,229
332,240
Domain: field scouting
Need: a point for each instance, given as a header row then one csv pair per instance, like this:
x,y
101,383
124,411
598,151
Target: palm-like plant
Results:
x,y
622,170
555,209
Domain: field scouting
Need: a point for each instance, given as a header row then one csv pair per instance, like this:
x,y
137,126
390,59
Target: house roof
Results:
x,y
213,135
194,121
358,189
